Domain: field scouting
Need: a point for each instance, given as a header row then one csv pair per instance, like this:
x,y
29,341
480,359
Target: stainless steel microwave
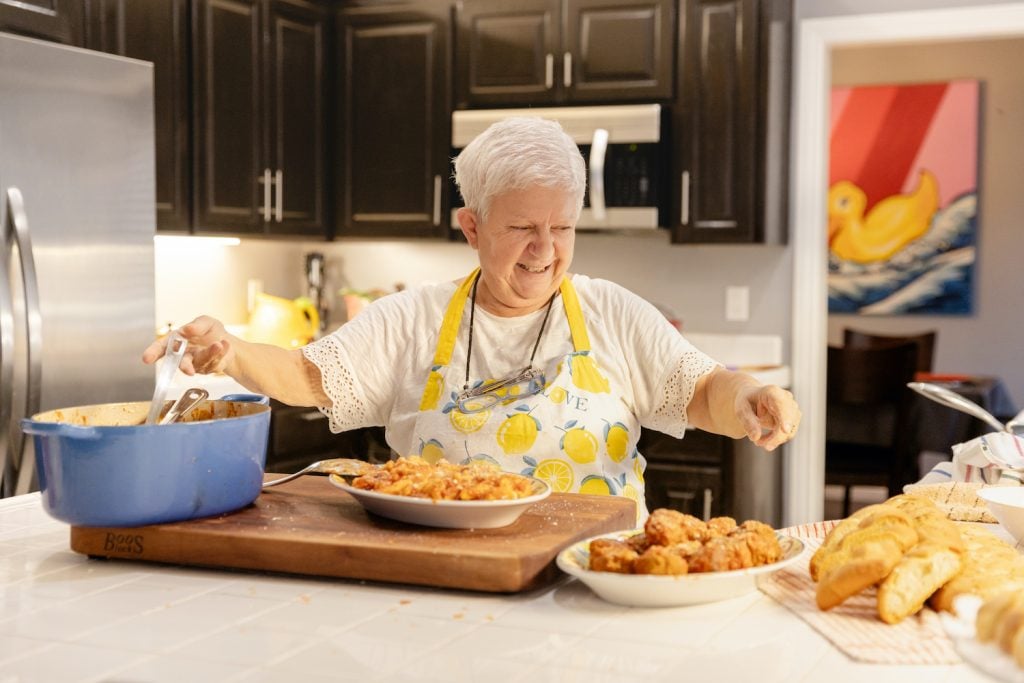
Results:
x,y
626,156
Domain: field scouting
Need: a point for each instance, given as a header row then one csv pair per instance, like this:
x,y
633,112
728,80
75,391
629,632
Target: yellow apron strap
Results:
x,y
577,326
452,321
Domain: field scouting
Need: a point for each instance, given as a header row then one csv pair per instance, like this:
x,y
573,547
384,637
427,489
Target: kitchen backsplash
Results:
x,y
689,280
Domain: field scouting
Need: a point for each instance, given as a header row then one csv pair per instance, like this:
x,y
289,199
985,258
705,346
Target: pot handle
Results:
x,y
29,426
247,398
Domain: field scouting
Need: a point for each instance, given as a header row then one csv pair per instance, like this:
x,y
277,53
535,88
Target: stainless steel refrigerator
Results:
x,y
77,218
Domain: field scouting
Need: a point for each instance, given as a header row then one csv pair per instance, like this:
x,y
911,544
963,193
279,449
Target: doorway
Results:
x,y
815,39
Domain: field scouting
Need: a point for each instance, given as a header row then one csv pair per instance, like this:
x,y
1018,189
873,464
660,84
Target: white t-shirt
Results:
x,y
375,366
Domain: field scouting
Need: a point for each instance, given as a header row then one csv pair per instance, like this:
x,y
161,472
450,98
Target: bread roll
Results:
x,y
838,533
991,566
922,570
858,566
991,613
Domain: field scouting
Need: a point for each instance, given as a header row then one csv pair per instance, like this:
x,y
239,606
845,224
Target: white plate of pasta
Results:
x,y
448,514
650,590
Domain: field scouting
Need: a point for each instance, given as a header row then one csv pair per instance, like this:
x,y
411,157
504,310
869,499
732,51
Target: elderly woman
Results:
x,y
521,362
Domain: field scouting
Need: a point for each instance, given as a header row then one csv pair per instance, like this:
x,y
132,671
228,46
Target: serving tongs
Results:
x,y
176,346
184,405
343,467
951,399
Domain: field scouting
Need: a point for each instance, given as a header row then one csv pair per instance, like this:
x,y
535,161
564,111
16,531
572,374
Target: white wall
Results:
x,y
691,280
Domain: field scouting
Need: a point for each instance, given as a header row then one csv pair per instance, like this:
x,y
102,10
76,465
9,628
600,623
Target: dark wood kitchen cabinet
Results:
x,y
394,120
260,83
535,52
300,436
156,31
61,21
730,121
689,474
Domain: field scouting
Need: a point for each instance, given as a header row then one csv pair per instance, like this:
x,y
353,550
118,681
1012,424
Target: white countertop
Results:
x,y
64,617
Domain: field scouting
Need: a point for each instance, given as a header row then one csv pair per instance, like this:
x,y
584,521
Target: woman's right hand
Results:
x,y
209,347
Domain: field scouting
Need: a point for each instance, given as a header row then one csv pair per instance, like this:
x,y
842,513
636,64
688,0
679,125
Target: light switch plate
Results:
x,y
737,304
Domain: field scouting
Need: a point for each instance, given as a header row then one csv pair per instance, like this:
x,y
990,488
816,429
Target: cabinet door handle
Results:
x,y
279,181
549,71
312,416
437,200
266,193
708,496
567,69
684,204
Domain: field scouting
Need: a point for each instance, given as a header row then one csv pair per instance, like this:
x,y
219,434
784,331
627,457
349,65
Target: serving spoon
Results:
x,y
344,467
951,399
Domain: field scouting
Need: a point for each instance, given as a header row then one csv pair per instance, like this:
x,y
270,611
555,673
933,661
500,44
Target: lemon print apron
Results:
x,y
576,434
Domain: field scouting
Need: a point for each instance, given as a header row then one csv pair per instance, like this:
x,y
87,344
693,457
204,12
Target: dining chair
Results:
x,y
868,440
925,344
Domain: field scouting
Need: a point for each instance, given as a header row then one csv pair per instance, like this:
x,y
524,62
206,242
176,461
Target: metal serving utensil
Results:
x,y
344,467
176,346
951,399
184,405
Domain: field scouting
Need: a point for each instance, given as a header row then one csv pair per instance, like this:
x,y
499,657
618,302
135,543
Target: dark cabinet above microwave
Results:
x,y
730,122
563,51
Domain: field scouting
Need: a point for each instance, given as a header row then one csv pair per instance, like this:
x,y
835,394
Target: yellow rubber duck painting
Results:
x,y
889,225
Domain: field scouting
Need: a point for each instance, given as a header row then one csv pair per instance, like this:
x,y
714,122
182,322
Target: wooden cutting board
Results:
x,y
310,527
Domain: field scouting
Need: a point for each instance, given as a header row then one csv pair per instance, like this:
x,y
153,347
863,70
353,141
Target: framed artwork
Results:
x,y
902,198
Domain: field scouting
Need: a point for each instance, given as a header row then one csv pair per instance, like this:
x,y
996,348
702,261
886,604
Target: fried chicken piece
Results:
x,y
721,554
638,542
761,541
659,559
669,527
609,555
721,526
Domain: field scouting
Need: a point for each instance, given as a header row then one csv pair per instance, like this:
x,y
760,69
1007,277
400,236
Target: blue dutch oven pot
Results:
x,y
99,466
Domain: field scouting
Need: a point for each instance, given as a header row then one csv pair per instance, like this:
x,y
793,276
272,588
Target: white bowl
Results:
x,y
448,514
649,590
1007,504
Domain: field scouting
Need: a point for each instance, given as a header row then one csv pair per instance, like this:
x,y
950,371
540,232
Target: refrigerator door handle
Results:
x,y
7,465
34,323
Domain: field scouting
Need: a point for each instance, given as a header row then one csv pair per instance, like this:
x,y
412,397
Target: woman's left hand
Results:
x,y
769,415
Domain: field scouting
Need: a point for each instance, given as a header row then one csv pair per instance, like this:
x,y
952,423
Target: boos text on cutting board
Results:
x,y
123,543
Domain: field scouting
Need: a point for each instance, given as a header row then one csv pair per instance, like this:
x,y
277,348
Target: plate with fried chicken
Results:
x,y
677,559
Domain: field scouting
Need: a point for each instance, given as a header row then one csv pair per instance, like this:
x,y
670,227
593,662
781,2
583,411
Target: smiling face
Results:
x,y
525,247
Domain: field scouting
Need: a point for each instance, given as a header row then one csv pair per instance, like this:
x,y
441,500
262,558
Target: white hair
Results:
x,y
514,154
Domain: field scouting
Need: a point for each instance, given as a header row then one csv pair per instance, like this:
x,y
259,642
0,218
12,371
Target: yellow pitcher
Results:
x,y
283,322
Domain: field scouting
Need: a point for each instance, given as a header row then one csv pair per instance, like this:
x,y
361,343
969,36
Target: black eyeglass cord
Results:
x,y
472,311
